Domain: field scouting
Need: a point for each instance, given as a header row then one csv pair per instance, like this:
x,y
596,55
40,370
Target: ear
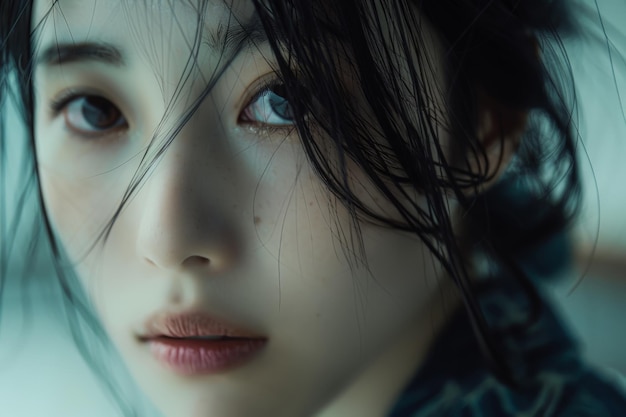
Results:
x,y
499,130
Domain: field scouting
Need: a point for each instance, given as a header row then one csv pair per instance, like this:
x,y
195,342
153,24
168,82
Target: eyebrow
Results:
x,y
229,40
65,53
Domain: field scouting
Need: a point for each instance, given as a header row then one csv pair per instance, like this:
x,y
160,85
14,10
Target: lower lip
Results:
x,y
199,357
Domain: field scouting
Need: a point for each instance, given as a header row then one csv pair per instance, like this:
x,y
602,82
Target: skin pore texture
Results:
x,y
231,220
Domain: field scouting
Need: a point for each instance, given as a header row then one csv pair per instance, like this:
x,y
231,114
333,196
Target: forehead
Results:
x,y
74,20
157,35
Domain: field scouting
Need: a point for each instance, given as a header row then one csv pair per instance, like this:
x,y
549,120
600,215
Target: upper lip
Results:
x,y
191,324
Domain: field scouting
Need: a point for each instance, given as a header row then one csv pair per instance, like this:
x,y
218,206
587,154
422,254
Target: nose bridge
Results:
x,y
184,218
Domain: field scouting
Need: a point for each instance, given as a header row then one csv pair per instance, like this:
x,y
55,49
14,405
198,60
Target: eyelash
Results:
x,y
59,105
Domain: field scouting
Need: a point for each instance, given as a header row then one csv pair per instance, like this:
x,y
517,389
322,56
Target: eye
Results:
x,y
90,115
269,107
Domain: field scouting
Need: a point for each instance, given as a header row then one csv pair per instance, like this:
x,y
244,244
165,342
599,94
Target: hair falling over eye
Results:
x,y
502,49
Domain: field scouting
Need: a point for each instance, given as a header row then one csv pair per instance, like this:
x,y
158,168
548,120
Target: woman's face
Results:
x,y
230,221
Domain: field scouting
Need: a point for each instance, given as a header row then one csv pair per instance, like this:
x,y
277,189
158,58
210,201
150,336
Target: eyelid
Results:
x,y
260,86
65,96
58,103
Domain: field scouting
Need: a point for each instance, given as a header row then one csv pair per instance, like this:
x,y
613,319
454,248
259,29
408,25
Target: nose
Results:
x,y
185,222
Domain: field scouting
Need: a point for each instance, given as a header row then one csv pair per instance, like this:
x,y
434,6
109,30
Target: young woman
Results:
x,y
291,208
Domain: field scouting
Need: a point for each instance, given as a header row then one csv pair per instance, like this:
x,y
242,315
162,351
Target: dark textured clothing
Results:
x,y
456,382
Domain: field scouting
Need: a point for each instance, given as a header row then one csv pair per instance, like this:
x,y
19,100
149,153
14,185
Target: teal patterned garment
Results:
x,y
456,382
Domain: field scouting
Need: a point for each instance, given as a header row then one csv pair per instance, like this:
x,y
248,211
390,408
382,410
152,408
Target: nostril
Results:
x,y
197,261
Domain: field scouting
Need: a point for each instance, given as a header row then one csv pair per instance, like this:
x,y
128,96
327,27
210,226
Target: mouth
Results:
x,y
197,344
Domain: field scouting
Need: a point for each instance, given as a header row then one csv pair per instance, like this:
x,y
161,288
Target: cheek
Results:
x,y
76,211
81,192
311,234
79,209
296,225
362,290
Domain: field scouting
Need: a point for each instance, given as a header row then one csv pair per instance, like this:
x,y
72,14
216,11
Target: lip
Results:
x,y
169,338
192,324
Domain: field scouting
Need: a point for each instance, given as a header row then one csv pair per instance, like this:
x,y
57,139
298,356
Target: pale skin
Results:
x,y
231,219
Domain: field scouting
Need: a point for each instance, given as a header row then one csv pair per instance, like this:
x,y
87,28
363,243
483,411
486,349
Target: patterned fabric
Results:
x,y
456,382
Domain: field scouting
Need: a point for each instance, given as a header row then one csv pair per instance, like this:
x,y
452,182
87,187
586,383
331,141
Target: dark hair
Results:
x,y
507,50
491,48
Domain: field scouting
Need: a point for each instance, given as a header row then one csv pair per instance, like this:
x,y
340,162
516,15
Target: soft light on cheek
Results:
x,y
82,184
77,209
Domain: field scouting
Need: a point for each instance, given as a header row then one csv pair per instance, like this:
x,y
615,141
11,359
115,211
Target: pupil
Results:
x,y
99,112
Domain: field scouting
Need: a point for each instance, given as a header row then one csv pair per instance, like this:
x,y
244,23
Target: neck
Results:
x,y
374,392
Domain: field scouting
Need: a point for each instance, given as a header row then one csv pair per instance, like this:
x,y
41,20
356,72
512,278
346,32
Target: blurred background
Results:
x,y
42,374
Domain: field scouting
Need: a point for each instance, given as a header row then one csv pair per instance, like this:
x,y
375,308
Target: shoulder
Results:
x,y
592,395
553,396
456,382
